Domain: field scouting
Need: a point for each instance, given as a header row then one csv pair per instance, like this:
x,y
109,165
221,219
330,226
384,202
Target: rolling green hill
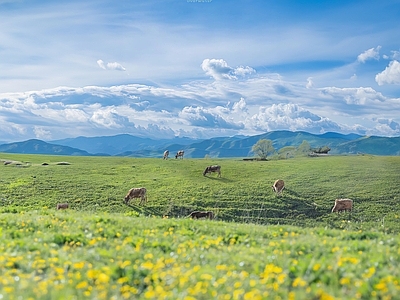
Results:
x,y
243,194
371,145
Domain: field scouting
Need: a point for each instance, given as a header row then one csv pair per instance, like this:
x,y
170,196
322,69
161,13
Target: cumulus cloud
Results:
x,y
240,106
110,66
243,71
235,103
393,125
109,118
219,69
357,96
292,117
42,133
391,75
387,127
208,117
369,54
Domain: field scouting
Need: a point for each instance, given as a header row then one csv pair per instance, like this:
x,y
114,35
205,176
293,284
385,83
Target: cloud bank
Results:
x,y
229,101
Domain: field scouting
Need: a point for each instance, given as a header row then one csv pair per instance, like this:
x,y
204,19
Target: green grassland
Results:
x,y
243,194
261,246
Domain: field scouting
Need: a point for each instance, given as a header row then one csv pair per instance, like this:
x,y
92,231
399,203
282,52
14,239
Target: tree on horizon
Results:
x,y
263,148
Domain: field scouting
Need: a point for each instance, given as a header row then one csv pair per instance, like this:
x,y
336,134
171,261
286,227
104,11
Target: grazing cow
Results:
x,y
343,205
62,205
211,169
201,214
137,193
180,154
166,153
278,186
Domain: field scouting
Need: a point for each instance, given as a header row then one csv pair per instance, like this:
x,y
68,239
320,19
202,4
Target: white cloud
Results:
x,y
107,117
215,117
219,69
292,117
310,83
395,55
42,133
199,108
372,53
393,125
110,66
115,66
357,96
240,106
101,64
391,75
386,127
243,71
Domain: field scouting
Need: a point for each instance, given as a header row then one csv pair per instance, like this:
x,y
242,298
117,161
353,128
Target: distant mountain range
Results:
x,y
40,147
236,146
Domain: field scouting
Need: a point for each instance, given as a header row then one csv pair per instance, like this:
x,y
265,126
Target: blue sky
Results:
x,y
198,68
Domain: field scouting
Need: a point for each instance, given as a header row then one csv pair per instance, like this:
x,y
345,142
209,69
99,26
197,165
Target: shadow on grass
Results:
x,y
291,192
146,210
222,179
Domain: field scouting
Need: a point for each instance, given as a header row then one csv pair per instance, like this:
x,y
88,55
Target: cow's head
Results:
x,y
206,171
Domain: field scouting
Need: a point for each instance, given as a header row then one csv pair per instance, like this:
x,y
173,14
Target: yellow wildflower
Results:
x,y
82,285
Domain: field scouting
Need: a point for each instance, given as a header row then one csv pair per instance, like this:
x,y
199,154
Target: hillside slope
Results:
x,y
117,144
371,145
242,194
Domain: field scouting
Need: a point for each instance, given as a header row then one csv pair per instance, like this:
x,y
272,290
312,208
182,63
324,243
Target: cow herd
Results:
x,y
277,187
180,154
340,204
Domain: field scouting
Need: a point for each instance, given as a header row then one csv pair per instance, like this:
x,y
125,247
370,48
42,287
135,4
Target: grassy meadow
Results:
x,y
261,246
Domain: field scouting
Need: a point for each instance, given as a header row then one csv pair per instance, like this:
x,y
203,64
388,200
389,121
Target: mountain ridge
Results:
x,y
220,147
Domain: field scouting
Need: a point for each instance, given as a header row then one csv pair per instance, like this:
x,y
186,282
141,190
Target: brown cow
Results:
x,y
278,186
62,205
342,205
137,193
201,214
180,154
166,153
211,169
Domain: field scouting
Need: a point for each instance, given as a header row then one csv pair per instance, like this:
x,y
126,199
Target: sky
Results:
x,y
198,68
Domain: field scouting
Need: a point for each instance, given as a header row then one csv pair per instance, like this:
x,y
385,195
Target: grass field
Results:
x,y
243,194
260,246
